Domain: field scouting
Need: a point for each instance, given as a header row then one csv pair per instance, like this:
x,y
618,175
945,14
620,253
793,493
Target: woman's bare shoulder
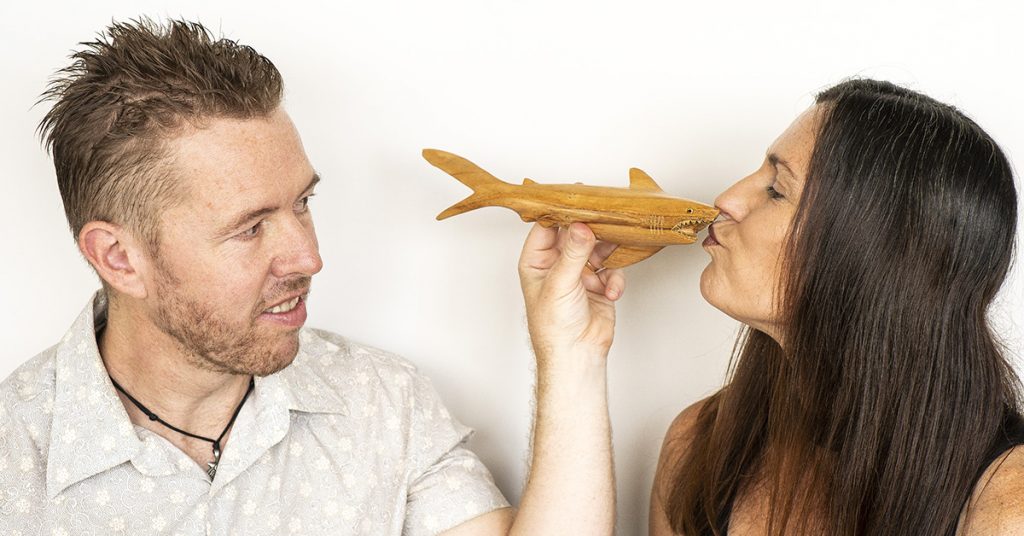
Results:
x,y
677,440
997,505
680,432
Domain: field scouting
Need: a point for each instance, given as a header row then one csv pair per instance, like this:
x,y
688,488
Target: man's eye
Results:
x,y
251,232
303,204
773,193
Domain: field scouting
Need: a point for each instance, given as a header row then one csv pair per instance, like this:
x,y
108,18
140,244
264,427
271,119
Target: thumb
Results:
x,y
576,250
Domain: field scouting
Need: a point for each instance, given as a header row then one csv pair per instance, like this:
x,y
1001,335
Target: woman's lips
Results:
x,y
710,240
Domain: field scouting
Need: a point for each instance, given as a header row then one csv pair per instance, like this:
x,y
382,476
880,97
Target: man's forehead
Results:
x,y
231,164
224,150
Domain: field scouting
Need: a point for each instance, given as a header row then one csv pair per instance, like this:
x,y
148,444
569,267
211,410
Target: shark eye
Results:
x,y
689,211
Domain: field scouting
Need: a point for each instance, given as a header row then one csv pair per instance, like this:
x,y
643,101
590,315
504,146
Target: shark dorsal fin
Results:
x,y
638,180
528,182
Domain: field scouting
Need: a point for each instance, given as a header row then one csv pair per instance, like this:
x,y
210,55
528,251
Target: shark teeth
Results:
x,y
690,223
284,307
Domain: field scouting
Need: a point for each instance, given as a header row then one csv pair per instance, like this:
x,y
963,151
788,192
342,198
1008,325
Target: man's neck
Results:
x,y
151,367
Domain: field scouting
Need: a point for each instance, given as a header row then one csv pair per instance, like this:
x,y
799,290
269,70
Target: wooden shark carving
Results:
x,y
642,219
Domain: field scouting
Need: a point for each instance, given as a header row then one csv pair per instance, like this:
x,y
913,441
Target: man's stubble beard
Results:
x,y
211,343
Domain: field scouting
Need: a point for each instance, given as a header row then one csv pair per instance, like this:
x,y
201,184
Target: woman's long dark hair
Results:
x,y
878,414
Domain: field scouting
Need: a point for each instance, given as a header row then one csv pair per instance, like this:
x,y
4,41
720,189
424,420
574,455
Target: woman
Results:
x,y
868,395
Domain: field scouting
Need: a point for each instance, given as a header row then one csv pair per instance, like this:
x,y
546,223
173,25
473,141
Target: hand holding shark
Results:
x,y
642,219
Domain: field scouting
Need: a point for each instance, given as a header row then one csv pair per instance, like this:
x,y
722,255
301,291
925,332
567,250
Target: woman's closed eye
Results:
x,y
773,193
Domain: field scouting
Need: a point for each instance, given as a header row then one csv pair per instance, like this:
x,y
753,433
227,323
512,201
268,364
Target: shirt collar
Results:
x,y
88,416
303,386
306,381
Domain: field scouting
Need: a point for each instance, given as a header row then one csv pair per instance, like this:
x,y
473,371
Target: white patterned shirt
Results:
x,y
345,440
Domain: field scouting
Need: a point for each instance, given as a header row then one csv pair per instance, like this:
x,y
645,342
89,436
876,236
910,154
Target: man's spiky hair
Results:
x,y
124,95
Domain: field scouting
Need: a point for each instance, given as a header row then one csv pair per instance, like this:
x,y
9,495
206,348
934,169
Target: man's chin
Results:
x,y
280,359
272,368
262,358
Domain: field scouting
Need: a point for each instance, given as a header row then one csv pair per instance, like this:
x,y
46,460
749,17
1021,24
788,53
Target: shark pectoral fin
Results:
x,y
528,182
626,255
638,180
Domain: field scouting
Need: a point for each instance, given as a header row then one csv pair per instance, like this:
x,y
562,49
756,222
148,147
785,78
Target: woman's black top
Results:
x,y
1012,434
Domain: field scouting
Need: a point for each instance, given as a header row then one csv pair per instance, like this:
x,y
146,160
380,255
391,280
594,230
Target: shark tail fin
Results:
x,y
470,203
484,185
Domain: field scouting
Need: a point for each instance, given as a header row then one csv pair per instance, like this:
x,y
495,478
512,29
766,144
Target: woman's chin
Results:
x,y
736,307
707,286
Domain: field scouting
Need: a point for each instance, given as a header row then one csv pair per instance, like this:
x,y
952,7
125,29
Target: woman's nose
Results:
x,y
735,201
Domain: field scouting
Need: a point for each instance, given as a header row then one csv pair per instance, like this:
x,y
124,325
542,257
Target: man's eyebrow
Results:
x,y
313,182
251,215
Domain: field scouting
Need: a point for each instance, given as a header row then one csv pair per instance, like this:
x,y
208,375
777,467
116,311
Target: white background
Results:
x,y
557,91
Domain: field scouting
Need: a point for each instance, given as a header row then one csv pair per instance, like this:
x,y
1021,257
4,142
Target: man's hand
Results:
x,y
570,308
571,312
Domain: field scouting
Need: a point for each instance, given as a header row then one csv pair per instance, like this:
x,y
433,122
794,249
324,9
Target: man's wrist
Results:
x,y
572,365
572,377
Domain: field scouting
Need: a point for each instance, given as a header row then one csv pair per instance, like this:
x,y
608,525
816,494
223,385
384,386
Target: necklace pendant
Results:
x,y
212,466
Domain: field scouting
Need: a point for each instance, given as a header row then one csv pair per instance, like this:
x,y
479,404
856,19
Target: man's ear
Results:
x,y
115,255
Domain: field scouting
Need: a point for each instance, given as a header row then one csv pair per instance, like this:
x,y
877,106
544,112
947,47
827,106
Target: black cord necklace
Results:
x,y
212,470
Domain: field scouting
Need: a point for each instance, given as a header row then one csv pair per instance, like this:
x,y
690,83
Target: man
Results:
x,y
188,398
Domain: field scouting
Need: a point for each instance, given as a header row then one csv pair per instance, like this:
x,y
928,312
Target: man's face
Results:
x,y
235,260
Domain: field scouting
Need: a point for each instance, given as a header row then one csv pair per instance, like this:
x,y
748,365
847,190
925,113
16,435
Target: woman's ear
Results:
x,y
115,255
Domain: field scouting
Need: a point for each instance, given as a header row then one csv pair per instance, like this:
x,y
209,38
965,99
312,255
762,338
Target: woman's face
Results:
x,y
746,242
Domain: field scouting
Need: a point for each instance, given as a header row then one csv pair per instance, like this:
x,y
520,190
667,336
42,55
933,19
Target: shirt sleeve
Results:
x,y
448,484
22,467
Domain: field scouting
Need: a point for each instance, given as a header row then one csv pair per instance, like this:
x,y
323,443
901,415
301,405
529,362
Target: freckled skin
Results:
x,y
753,227
210,288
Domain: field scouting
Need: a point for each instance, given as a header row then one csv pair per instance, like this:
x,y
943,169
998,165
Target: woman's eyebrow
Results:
x,y
778,162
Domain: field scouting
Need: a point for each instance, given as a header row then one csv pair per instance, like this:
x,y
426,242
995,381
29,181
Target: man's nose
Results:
x,y
299,250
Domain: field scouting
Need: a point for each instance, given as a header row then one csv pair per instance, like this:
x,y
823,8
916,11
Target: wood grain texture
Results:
x,y
642,219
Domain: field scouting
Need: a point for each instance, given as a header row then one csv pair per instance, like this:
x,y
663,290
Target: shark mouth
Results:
x,y
691,226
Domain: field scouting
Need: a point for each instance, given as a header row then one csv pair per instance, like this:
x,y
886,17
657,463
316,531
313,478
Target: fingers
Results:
x,y
572,254
609,283
601,252
541,241
541,238
593,282
540,248
614,283
576,250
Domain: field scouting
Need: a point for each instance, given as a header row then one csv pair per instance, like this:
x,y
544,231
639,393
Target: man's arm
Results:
x,y
493,523
571,314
